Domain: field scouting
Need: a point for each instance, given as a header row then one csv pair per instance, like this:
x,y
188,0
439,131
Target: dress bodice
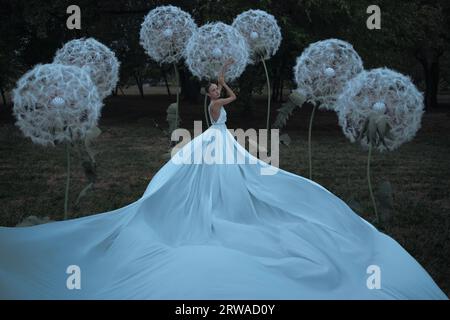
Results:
x,y
222,116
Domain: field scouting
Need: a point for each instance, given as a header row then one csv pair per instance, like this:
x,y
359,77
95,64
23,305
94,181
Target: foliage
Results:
x,y
32,30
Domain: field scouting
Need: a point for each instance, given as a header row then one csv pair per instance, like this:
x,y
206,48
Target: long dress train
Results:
x,y
214,231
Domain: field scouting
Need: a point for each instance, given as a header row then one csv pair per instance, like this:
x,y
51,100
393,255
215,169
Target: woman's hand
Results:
x,y
229,62
221,79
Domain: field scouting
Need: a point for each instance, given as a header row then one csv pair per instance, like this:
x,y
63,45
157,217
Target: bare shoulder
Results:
x,y
216,105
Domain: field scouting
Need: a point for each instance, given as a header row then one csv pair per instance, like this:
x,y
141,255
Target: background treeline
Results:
x,y
414,38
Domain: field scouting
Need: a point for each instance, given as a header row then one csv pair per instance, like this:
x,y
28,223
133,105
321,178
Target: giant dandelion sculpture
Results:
x,y
321,72
103,67
164,34
263,35
56,104
381,109
101,62
211,47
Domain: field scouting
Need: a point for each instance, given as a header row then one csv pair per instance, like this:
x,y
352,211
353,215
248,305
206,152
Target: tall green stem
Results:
x,y
309,140
206,110
66,196
370,183
268,94
177,77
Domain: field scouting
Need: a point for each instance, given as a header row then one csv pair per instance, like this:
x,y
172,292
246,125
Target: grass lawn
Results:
x,y
32,178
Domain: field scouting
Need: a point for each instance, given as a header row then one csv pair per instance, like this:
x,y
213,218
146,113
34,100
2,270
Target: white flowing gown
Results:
x,y
214,231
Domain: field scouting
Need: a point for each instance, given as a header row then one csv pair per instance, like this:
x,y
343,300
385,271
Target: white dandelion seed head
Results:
x,y
98,59
203,48
168,33
165,32
329,72
217,53
375,90
379,107
261,31
55,103
314,81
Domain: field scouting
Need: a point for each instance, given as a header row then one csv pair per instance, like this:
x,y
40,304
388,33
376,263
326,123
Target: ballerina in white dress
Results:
x,y
214,231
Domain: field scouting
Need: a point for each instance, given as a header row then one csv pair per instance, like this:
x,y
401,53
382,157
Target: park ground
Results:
x,y
131,150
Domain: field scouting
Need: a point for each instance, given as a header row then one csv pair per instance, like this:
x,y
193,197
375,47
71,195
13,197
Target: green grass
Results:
x,y
32,178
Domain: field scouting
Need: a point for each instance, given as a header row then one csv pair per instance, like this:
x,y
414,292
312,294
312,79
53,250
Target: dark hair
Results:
x,y
208,86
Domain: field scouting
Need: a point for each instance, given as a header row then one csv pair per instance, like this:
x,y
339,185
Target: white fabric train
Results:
x,y
221,231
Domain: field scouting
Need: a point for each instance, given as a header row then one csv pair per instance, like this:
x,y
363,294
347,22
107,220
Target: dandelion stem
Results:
x,y
370,184
268,106
177,77
66,196
309,140
206,110
268,94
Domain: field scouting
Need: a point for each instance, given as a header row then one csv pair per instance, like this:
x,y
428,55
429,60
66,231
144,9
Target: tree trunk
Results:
x,y
275,87
282,73
165,81
279,95
280,98
139,84
190,89
3,96
429,58
278,81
